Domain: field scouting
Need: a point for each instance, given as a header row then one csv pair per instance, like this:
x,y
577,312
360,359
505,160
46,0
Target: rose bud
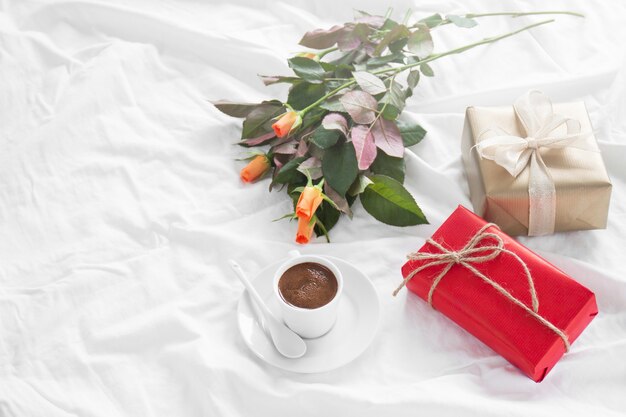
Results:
x,y
287,123
255,169
309,201
305,230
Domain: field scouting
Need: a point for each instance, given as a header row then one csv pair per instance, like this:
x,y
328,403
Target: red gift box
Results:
x,y
470,292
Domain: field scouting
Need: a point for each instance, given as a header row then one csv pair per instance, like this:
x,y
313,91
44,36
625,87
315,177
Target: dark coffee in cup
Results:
x,y
308,285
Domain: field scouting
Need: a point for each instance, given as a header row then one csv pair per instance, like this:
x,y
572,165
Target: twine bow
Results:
x,y
472,253
534,112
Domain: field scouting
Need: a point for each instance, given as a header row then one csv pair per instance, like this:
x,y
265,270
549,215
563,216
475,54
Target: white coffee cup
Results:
x,y
309,322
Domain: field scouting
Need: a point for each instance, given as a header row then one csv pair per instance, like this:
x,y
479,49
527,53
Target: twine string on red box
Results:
x,y
470,254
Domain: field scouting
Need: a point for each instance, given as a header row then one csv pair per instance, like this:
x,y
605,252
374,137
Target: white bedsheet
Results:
x,y
120,202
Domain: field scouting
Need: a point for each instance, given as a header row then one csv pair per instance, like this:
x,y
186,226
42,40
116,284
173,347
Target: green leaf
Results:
x,y
413,78
390,112
302,94
344,71
359,185
395,96
420,42
333,104
397,46
328,66
461,21
235,109
351,57
290,216
328,216
259,121
432,21
325,138
427,70
379,61
389,24
389,166
339,166
389,202
311,118
308,69
411,134
398,32
289,171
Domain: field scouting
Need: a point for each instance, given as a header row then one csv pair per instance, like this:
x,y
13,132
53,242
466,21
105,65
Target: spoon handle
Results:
x,y
253,292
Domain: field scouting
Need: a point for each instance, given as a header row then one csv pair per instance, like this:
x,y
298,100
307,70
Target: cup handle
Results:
x,y
294,253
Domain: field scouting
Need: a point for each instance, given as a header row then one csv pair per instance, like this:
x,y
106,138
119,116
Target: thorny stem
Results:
x,y
396,70
461,49
518,14
511,14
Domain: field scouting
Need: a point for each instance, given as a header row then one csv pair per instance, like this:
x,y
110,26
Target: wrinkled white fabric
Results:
x,y
120,203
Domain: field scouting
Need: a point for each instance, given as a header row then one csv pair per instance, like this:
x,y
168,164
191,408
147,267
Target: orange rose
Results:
x,y
305,230
284,124
255,169
309,201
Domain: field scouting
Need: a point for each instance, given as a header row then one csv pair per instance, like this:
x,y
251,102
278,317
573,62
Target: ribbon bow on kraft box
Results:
x,y
535,168
515,302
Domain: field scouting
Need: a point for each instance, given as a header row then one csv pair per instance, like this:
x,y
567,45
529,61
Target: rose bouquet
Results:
x,y
338,136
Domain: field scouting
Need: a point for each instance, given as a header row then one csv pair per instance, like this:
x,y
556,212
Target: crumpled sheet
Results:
x,y
120,203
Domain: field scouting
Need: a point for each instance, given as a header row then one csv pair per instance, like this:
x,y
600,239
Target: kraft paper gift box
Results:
x,y
535,168
461,271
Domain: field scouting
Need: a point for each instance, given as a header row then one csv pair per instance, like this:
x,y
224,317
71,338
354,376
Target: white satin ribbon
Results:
x,y
514,153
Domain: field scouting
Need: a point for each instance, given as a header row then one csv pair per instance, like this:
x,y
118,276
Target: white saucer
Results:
x,y
357,322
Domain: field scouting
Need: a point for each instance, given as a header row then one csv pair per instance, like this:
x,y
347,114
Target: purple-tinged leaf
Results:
x,y
387,137
278,163
275,79
258,140
288,148
302,148
353,36
321,38
259,121
360,105
364,146
338,199
369,48
373,21
335,121
313,166
369,82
